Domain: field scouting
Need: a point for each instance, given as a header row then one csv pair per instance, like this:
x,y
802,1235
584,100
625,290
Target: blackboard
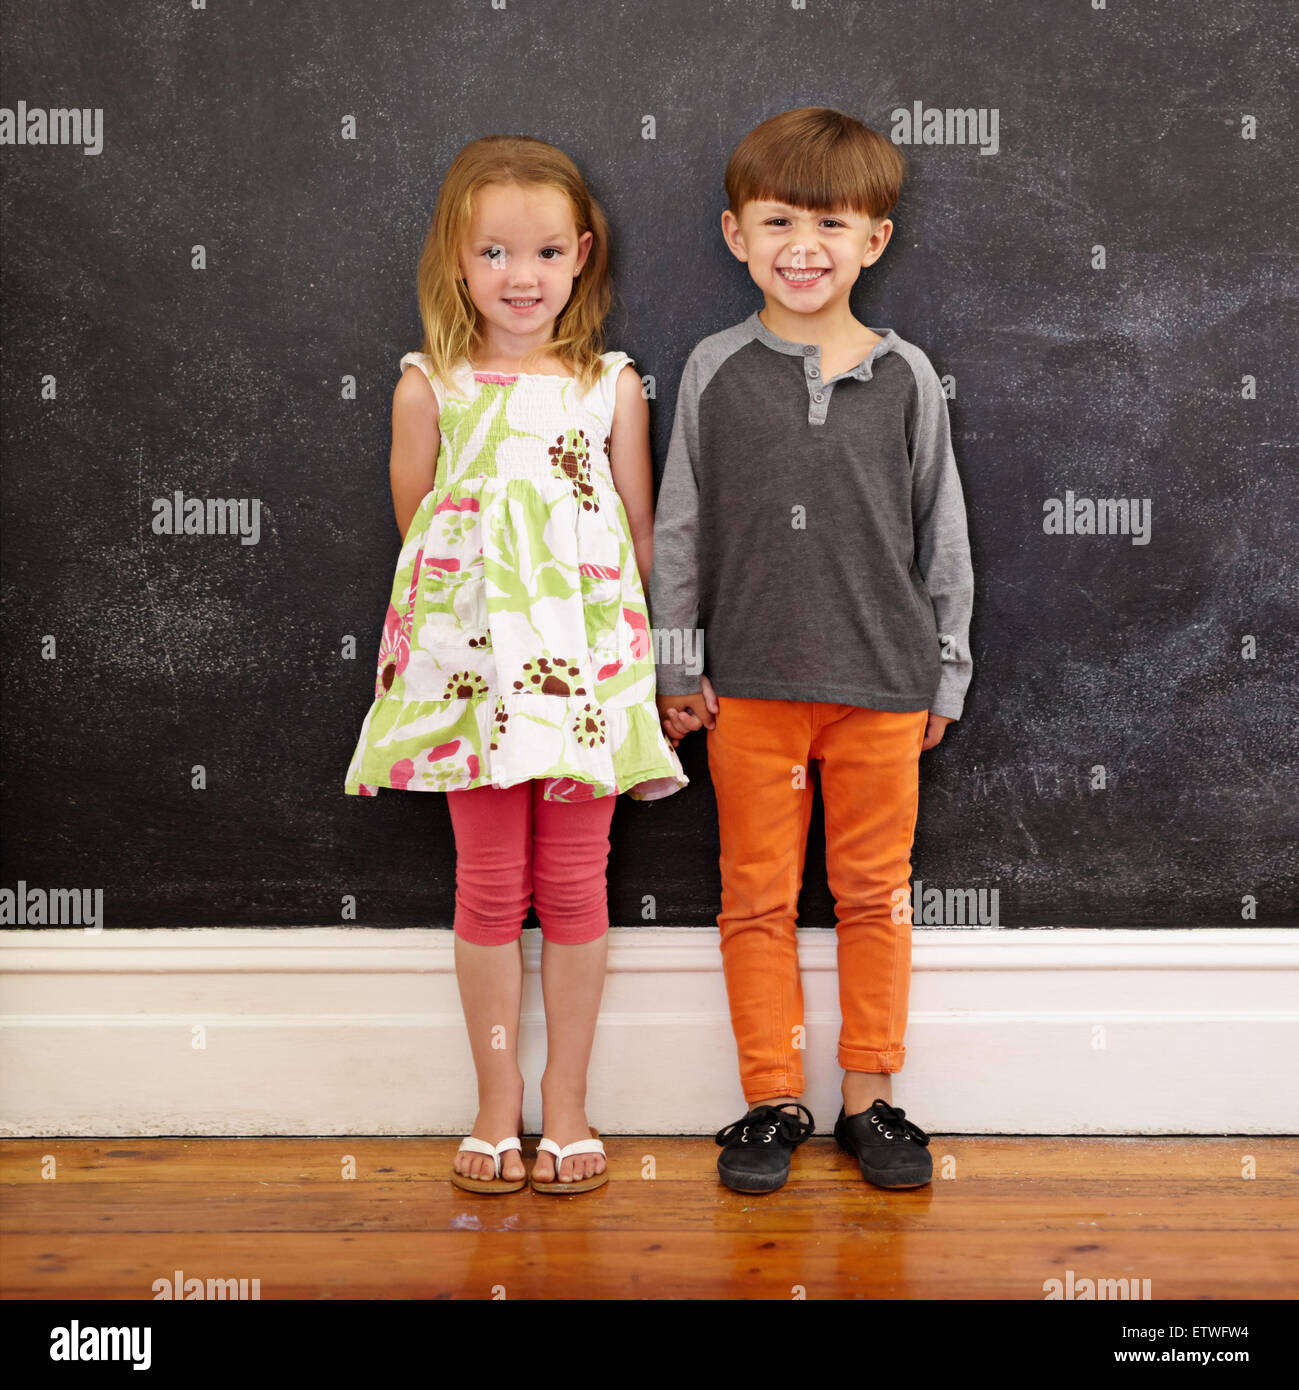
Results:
x,y
1162,133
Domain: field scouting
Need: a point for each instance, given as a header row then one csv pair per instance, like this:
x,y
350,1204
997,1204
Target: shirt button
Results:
x,y
818,397
813,371
809,351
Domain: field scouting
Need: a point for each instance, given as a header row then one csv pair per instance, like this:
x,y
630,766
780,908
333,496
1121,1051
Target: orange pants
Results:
x,y
870,770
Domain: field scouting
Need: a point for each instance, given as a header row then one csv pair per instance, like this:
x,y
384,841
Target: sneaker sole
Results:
x,y
767,1185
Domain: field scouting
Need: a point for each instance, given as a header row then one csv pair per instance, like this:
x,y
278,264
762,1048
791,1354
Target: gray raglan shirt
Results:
x,y
812,532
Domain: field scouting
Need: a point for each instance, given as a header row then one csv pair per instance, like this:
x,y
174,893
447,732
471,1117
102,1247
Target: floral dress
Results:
x,y
517,642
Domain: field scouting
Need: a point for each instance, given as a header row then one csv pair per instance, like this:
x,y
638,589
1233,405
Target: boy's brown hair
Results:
x,y
816,157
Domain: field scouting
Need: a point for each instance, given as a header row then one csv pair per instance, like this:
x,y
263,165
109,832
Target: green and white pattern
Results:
x,y
517,642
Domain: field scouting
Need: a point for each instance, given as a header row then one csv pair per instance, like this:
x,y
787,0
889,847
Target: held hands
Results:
x,y
682,714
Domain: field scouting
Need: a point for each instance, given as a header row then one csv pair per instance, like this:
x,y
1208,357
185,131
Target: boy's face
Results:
x,y
804,259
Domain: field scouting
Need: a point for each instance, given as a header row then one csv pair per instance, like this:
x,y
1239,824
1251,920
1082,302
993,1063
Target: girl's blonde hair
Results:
x,y
452,324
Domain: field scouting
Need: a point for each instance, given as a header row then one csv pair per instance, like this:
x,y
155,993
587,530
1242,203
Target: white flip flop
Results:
x,y
581,1146
494,1152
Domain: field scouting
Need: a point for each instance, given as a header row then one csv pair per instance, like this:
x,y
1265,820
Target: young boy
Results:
x,y
811,527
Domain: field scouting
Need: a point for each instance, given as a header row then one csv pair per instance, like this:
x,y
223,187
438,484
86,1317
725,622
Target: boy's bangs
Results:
x,y
828,182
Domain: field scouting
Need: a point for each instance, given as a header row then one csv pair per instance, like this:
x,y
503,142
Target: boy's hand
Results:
x,y
682,714
934,730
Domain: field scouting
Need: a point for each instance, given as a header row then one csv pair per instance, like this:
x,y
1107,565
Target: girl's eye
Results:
x,y
551,252
495,253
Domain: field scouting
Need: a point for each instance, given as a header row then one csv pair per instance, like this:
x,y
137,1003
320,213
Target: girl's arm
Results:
x,y
416,439
629,459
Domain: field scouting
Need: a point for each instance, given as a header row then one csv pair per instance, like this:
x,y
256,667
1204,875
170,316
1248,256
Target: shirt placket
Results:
x,y
818,389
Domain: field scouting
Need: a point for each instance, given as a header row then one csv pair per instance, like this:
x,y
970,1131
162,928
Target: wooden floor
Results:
x,y
1001,1217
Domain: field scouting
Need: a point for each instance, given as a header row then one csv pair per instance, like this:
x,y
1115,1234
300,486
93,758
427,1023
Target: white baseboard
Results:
x,y
354,1030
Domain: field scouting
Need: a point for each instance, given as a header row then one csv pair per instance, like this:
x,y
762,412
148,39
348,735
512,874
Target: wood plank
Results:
x,y
424,1158
596,1265
975,1204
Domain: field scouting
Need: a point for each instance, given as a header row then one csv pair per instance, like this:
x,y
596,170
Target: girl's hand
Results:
x,y
934,730
683,714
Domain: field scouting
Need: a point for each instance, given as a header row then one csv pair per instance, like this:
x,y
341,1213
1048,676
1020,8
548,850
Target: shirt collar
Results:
x,y
863,369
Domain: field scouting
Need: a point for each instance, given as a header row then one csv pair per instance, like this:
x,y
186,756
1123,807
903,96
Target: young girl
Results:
x,y
515,669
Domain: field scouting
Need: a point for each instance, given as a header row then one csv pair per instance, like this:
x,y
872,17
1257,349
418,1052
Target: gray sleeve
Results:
x,y
674,578
942,538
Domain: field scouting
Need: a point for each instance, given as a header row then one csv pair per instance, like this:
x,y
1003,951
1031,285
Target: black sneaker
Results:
x,y
756,1149
889,1149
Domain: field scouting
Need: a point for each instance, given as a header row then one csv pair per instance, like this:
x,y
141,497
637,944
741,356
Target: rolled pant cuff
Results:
x,y
771,1084
578,935
479,933
858,1059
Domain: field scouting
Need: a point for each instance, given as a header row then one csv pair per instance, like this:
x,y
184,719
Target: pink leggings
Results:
x,y
512,847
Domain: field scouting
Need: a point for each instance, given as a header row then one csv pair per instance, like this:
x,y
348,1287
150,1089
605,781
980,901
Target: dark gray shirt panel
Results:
x,y
814,532
808,585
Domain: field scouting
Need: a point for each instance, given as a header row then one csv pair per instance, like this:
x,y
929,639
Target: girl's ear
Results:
x,y
583,251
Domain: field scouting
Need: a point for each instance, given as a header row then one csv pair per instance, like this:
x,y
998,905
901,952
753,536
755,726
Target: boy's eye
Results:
x,y
784,221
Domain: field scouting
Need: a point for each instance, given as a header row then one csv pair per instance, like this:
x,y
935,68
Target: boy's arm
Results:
x,y
674,578
942,538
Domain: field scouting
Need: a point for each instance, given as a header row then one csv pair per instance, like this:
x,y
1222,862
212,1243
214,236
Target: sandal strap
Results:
x,y
492,1151
581,1146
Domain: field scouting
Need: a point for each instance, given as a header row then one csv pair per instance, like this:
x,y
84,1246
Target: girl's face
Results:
x,y
520,259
